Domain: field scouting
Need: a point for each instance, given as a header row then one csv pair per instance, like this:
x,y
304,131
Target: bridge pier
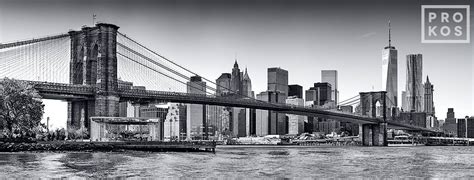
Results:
x,y
374,134
94,63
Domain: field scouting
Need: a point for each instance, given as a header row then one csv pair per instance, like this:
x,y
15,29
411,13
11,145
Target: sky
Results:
x,y
303,37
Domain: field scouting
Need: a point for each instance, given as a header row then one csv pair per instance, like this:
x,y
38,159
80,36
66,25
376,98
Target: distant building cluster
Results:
x,y
197,122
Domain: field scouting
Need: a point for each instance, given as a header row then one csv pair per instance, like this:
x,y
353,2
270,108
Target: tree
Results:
x,y
21,108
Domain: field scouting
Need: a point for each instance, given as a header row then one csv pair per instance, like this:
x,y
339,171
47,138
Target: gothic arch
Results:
x,y
368,102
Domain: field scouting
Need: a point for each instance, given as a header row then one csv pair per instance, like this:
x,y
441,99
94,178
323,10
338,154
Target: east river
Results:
x,y
243,162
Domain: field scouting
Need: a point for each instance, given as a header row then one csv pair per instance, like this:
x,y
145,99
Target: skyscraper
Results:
x,y
278,85
324,90
429,104
196,113
270,122
404,101
247,85
450,124
278,80
295,122
295,90
236,85
414,87
330,76
223,84
235,80
390,71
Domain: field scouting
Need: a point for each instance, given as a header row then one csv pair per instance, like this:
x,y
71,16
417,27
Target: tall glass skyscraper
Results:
x,y
414,87
390,72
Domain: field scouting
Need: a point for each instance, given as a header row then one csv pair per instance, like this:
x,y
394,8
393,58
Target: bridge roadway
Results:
x,y
73,92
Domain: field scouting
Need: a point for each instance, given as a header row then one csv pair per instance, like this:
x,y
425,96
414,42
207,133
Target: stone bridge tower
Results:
x,y
374,134
94,63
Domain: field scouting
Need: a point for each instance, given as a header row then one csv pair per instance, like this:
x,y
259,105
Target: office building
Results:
x,y
404,101
155,112
465,127
311,96
278,92
450,124
330,76
295,122
428,98
413,118
270,122
278,80
390,72
414,86
295,90
196,113
247,85
235,80
323,90
223,84
175,117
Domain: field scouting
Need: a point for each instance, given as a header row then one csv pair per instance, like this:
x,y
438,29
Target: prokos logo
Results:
x,y
445,24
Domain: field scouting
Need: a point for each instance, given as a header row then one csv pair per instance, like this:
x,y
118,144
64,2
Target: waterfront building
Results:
x,y
390,72
154,111
262,116
272,122
465,127
295,122
450,124
238,122
413,118
295,90
182,109
196,113
278,92
214,123
414,86
175,118
330,76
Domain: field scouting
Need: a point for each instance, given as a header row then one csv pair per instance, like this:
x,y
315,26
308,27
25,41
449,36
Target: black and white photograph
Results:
x,y
236,89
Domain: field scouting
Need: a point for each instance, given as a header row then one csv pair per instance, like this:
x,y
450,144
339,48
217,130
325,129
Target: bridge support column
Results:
x,y
367,135
107,106
374,134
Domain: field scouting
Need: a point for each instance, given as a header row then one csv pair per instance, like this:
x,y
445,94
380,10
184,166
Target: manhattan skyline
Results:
x,y
301,37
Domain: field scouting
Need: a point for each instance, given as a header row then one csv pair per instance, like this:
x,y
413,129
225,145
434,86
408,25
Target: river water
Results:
x,y
243,162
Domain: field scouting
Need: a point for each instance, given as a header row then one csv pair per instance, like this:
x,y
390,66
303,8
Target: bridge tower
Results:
x,y
374,134
94,63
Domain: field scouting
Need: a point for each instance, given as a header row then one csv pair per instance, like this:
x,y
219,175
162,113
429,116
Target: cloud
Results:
x,y
366,35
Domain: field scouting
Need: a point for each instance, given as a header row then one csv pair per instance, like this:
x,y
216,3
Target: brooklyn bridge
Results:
x,y
96,68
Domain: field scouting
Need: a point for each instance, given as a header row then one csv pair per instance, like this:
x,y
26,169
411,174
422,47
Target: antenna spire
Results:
x,y
94,16
389,34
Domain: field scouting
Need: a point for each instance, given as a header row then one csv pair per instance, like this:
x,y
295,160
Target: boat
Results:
x,y
403,140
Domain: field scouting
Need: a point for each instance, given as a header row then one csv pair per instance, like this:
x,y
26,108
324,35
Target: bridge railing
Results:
x,y
61,87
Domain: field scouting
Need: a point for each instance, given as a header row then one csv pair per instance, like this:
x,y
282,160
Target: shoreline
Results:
x,y
70,146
